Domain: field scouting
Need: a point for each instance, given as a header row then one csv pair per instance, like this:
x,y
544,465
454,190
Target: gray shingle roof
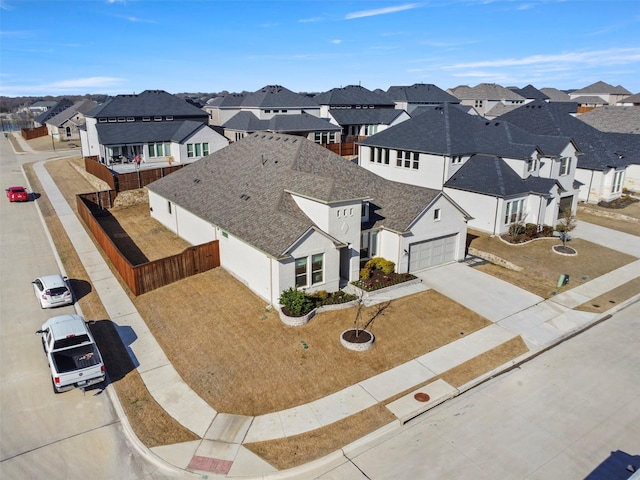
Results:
x,y
149,103
277,97
490,175
145,132
598,151
613,119
635,99
352,95
448,130
555,95
589,100
59,107
246,188
282,123
365,116
530,92
602,87
484,91
81,106
420,93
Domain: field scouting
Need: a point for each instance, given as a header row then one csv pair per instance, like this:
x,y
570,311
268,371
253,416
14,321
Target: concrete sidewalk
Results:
x,y
513,312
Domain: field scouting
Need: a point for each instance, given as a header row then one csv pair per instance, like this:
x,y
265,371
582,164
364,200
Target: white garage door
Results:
x,y
432,252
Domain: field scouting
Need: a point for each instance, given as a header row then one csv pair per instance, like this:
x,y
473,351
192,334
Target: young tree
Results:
x,y
566,222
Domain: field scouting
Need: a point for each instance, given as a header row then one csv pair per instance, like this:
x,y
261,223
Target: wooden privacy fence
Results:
x,y
31,133
343,149
151,275
121,182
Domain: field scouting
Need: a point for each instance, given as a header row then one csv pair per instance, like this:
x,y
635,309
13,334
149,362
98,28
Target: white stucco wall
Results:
x,y
203,135
592,187
632,178
310,244
430,172
481,207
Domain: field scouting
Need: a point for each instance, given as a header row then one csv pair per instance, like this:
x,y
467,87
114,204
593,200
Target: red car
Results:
x,y
17,194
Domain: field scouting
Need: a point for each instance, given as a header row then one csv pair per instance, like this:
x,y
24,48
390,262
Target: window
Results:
x,y
112,120
456,159
146,119
407,159
532,165
121,119
157,119
197,149
617,181
436,215
514,212
380,155
131,119
159,149
102,120
168,118
317,269
168,206
301,272
323,138
478,104
565,165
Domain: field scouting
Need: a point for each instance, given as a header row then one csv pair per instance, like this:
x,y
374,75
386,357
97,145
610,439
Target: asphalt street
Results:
x,y
44,435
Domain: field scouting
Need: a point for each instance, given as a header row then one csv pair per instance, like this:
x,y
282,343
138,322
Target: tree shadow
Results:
x,y
618,466
114,342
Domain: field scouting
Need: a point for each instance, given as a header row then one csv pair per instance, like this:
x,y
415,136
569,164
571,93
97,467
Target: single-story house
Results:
x,y
290,213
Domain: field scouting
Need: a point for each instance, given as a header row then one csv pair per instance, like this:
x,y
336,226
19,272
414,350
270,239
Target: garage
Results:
x,y
432,252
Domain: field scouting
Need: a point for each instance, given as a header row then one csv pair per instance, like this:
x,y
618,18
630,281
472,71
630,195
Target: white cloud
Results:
x,y
336,41
614,56
77,85
381,11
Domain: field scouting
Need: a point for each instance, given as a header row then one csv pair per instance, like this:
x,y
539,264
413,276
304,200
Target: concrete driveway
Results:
x,y
485,294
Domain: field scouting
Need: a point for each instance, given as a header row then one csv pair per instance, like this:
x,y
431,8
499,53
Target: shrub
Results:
x,y
387,266
365,273
295,303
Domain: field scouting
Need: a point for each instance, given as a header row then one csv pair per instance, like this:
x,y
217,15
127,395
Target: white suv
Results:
x,y
52,291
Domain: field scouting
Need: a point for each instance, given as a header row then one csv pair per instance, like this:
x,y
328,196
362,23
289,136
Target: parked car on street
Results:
x,y
72,353
52,291
17,194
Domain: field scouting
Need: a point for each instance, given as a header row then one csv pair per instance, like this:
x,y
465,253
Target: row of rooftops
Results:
x,y
277,97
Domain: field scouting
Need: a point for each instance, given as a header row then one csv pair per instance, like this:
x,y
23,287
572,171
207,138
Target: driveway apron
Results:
x,y
486,295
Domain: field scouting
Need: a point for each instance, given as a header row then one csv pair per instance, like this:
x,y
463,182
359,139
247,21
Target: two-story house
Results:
x,y
485,96
150,127
290,213
359,111
497,172
603,160
411,97
273,108
598,94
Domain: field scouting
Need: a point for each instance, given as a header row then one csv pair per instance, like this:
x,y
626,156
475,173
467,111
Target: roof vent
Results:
x,y
196,180
244,196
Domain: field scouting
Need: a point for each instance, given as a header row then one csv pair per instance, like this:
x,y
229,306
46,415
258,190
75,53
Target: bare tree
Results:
x,y
566,222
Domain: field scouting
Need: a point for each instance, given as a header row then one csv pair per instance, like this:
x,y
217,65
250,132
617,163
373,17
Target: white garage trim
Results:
x,y
432,252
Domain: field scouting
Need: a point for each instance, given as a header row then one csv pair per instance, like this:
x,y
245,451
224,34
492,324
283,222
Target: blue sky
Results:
x,y
60,47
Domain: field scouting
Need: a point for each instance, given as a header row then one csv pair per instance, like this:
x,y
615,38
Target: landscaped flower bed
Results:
x,y
378,273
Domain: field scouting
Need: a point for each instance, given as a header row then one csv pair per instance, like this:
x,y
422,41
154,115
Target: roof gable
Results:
x,y
420,93
278,97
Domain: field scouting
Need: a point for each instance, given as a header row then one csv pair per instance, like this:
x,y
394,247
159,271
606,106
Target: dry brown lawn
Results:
x,y
542,267
240,358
